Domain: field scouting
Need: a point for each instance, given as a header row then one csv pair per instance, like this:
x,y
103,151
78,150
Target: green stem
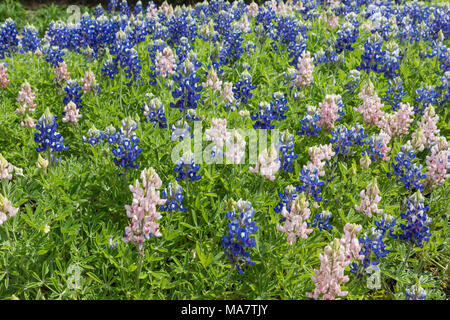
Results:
x,y
139,272
121,85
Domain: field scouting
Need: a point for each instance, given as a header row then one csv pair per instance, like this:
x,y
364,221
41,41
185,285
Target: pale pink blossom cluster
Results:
x,y
61,73
244,24
268,163
29,122
252,10
319,155
235,147
305,68
89,83
295,224
3,76
26,99
217,133
6,168
428,124
336,256
418,140
397,123
152,11
370,199
365,161
350,242
143,210
438,165
72,113
329,111
329,277
332,21
212,81
227,92
165,62
6,209
167,9
371,106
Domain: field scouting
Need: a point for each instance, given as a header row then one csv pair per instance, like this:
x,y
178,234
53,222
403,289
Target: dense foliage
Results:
x,y
349,200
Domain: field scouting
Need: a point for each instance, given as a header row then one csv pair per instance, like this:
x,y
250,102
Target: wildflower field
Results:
x,y
224,150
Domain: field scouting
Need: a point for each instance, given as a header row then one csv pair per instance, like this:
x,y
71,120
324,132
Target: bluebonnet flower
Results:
x,y
223,23
232,49
355,78
183,50
112,6
180,130
124,58
325,56
416,292
391,60
186,168
310,184
372,246
410,174
174,198
181,26
188,86
425,95
285,147
154,112
53,55
372,58
239,231
125,8
342,138
376,147
95,136
9,41
138,8
73,93
265,21
297,48
321,220
49,140
98,11
112,244
417,226
347,36
286,199
124,144
30,40
191,114
264,117
394,93
243,88
309,124
444,89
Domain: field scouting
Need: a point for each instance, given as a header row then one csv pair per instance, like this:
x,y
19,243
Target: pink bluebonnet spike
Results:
x,y
26,99
3,76
6,209
165,62
6,168
370,199
295,224
319,155
72,113
268,163
143,210
61,74
329,111
305,68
